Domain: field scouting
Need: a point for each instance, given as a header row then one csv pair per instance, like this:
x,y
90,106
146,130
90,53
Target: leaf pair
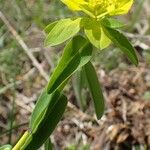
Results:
x,y
60,31
100,33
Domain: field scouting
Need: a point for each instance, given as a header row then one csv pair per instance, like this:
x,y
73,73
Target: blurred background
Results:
x,y
25,65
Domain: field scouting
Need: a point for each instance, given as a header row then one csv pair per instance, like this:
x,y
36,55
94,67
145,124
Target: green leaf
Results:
x,y
112,23
48,145
95,33
50,27
76,54
44,101
51,118
6,147
79,83
122,42
95,89
61,31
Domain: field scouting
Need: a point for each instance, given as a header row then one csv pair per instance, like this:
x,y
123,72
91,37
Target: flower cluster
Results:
x,y
100,8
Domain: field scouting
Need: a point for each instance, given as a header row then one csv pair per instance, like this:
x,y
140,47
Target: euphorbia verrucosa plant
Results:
x,y
100,30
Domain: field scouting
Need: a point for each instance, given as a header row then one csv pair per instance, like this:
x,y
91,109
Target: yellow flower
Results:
x,y
99,11
100,8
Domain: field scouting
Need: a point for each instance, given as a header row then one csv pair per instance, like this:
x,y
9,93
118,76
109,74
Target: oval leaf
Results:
x,y
95,89
44,101
50,27
95,33
61,31
122,42
112,23
47,126
76,54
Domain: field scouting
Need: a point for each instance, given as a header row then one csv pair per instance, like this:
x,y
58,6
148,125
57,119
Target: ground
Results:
x,y
125,124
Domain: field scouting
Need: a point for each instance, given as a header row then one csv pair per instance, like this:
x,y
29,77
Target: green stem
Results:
x,y
21,141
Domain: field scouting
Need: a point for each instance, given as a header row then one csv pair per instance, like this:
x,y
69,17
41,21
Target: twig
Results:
x,y
137,36
14,128
24,46
11,85
49,60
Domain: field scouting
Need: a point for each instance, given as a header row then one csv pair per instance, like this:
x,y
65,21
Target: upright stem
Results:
x,y
21,141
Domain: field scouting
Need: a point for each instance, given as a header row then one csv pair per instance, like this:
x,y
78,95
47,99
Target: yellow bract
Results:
x,y
74,4
100,8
